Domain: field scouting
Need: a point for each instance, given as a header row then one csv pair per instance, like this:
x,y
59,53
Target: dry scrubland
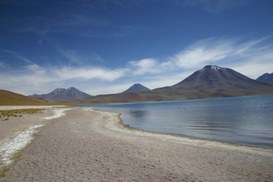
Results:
x,y
6,114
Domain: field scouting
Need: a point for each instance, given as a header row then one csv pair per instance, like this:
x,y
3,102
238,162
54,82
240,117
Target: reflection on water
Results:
x,y
139,114
244,120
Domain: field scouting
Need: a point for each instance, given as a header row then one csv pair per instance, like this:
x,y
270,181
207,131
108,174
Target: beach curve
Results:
x,y
93,146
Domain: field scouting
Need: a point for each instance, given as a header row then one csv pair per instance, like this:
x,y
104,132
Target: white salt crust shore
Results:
x,y
11,146
57,114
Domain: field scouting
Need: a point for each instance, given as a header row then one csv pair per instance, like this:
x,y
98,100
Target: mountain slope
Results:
x,y
137,88
63,94
122,98
214,81
266,78
11,98
211,81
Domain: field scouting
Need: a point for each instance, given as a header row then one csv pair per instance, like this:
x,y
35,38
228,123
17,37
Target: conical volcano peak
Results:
x,y
212,76
213,67
137,88
215,81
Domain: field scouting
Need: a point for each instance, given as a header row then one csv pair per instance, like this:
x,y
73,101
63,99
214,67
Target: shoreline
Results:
x,y
188,139
195,138
88,145
230,121
196,141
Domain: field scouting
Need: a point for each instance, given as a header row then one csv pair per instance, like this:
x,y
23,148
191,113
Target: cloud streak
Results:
x,y
250,57
18,56
33,78
69,73
144,66
203,52
220,51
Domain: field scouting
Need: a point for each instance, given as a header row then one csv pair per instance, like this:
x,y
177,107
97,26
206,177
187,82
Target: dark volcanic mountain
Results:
x,y
266,78
214,81
211,81
63,94
136,88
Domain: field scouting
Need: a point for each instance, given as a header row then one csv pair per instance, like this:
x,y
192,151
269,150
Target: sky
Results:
x,y
105,46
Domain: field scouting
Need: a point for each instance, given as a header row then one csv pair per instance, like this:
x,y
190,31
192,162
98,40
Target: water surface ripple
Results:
x,y
241,120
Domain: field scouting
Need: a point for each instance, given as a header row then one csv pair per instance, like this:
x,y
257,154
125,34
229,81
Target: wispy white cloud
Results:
x,y
72,56
150,66
223,52
257,64
33,78
203,52
260,68
18,56
250,57
144,66
67,73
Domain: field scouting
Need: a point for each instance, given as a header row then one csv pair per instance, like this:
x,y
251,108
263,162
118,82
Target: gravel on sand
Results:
x,y
86,145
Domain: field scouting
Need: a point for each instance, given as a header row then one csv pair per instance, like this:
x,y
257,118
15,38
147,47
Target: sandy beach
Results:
x,y
85,145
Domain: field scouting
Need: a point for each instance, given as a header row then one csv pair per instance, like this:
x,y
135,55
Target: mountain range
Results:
x,y
208,82
266,78
63,94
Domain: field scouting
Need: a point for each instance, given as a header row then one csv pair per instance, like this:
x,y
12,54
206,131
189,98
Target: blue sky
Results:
x,y
104,46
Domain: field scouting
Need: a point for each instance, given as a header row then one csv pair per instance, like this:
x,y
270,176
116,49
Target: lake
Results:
x,y
241,120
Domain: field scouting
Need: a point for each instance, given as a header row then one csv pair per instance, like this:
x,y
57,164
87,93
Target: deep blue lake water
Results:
x,y
242,120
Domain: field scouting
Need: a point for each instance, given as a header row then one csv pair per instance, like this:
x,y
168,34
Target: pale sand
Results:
x,y
17,133
93,146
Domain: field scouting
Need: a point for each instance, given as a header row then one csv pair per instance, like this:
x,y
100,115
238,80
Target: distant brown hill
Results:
x,y
210,81
11,98
214,81
123,97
